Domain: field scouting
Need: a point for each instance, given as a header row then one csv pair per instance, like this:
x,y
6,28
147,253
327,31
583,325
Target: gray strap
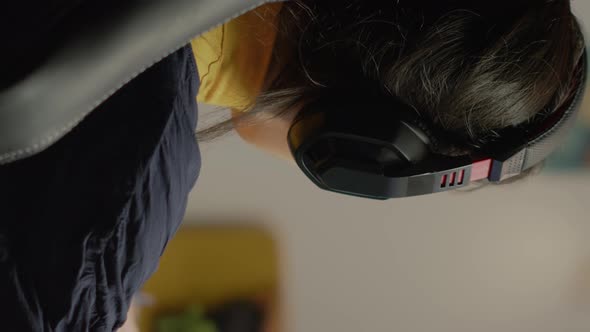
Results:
x,y
96,62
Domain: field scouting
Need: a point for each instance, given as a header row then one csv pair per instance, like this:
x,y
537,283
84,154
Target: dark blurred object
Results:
x,y
240,316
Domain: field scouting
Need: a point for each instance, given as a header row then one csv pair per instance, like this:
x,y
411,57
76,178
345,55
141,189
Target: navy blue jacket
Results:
x,y
84,223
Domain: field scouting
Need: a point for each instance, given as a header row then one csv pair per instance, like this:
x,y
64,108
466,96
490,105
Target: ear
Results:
x,y
269,134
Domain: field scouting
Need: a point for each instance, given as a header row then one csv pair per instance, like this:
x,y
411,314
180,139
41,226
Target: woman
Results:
x,y
470,68
115,197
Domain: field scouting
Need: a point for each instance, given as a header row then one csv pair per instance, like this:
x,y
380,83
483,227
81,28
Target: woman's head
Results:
x,y
468,69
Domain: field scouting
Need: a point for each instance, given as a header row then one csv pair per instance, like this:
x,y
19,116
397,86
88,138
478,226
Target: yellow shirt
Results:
x,y
233,59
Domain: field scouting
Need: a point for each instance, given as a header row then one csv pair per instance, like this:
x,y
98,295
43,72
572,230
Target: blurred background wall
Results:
x,y
514,258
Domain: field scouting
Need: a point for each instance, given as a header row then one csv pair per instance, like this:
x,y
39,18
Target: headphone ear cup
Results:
x,y
382,123
442,142
425,128
437,138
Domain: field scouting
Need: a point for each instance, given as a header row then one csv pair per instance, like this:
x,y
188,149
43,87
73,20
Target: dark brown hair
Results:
x,y
468,68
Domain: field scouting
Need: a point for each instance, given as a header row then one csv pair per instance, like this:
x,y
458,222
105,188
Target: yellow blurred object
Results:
x,y
209,266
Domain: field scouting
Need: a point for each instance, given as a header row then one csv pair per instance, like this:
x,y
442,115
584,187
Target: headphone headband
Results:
x,y
545,138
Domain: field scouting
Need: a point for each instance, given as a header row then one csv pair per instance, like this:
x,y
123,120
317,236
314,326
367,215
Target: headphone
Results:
x,y
389,152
